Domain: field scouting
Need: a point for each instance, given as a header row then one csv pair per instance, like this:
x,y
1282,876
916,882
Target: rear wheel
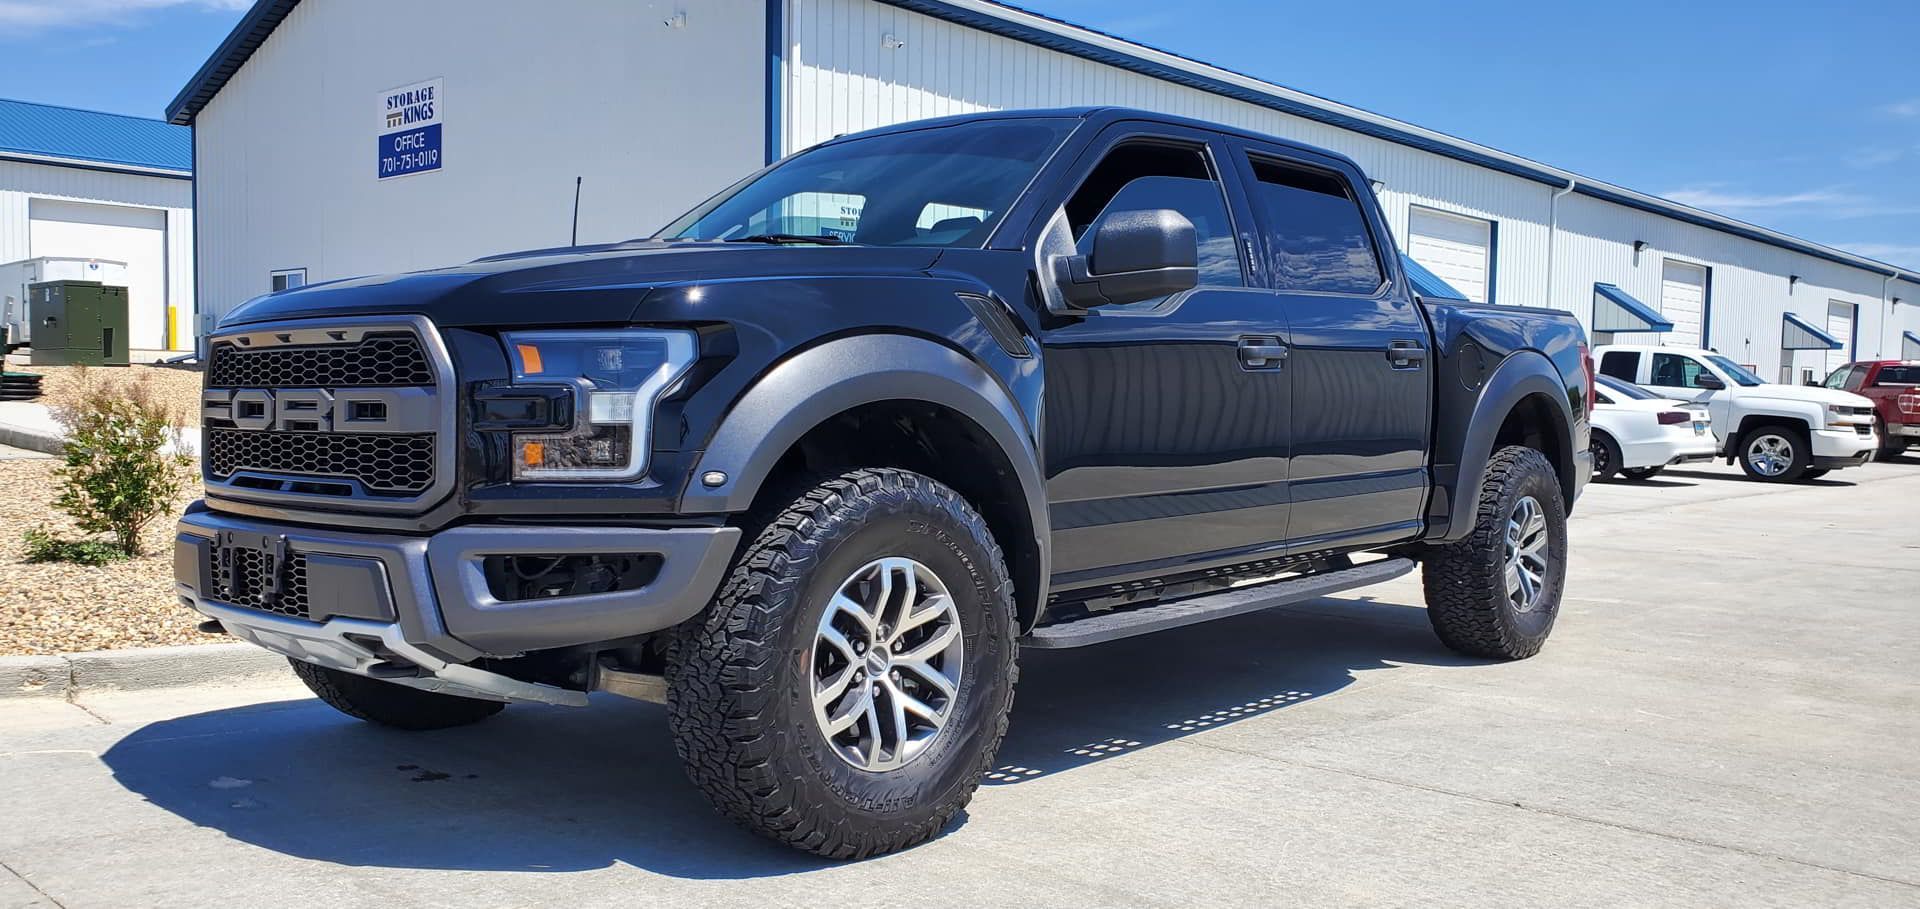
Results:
x,y
1606,455
847,689
1496,593
389,704
1777,453
1640,473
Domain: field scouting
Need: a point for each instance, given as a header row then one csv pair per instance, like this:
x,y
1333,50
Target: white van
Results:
x,y
1779,433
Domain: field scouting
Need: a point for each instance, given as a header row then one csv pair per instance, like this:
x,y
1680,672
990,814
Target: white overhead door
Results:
x,y
136,236
1458,249
1840,326
1683,300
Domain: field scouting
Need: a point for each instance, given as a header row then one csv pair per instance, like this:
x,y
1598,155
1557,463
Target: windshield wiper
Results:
x,y
822,240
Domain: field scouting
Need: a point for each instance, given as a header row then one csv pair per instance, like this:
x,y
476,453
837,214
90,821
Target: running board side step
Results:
x,y
1112,626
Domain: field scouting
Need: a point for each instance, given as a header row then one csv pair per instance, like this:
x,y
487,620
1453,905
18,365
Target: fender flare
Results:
x,y
1525,373
811,387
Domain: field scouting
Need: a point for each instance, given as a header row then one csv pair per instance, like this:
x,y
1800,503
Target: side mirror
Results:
x,y
1708,381
1137,255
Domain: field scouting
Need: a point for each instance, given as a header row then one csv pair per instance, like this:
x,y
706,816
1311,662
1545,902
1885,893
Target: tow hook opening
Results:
x,y
513,578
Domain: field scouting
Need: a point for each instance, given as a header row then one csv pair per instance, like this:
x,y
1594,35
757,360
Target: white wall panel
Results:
x,y
654,117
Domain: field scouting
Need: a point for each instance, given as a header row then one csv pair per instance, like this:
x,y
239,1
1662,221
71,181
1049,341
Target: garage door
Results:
x,y
136,236
1457,249
1683,300
1840,326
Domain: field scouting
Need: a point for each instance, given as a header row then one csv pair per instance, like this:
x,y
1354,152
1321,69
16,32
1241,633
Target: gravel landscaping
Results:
x,y
178,389
56,608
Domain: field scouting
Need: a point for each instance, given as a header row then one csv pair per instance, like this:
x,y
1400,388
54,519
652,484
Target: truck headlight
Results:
x,y
617,377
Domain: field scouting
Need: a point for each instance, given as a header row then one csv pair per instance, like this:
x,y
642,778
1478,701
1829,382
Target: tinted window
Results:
x,y
1898,375
1676,371
946,186
1621,364
1149,176
1315,230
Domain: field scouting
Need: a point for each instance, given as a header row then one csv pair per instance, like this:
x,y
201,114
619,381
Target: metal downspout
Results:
x,y
1553,232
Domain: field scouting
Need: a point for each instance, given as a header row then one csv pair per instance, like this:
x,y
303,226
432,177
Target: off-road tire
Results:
x,y
1606,455
392,705
1797,437
1465,581
739,674
1638,474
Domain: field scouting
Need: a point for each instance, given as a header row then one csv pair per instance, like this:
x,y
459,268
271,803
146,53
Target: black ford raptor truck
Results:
x,y
813,463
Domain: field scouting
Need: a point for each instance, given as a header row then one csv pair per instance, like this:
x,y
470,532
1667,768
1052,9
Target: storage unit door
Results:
x,y
1683,300
1840,326
1457,249
136,236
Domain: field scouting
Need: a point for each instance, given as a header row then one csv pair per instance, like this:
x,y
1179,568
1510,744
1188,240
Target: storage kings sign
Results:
x,y
410,129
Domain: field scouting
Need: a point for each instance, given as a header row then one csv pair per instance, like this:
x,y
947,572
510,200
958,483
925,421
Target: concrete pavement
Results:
x,y
1728,714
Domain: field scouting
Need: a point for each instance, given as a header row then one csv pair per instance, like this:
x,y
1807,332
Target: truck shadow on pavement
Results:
x,y
550,789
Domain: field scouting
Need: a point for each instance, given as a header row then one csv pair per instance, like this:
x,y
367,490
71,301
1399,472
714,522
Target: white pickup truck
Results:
x,y
1778,433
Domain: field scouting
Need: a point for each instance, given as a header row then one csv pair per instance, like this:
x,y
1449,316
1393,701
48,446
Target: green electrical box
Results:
x,y
78,322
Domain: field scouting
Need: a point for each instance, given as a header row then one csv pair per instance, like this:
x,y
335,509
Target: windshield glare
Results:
x,y
1735,371
1624,389
945,186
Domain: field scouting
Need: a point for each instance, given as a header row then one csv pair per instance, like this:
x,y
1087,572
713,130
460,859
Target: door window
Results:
x,y
1145,176
1316,232
1676,371
1621,364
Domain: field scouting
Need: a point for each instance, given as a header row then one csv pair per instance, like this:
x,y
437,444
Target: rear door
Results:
x,y
1167,420
1361,388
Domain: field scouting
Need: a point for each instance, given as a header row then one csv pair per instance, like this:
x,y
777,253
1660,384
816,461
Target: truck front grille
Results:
x,y
384,464
248,585
329,414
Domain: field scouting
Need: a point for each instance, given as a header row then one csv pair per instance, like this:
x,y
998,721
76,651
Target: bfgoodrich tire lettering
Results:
x,y
741,675
1470,600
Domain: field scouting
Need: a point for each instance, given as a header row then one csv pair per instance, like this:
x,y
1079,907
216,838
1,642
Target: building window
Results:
x,y
289,278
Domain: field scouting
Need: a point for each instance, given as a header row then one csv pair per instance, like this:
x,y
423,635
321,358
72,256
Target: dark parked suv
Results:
x,y
813,463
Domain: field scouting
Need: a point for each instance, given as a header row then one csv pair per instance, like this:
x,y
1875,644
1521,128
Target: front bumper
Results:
x,y
1843,445
365,599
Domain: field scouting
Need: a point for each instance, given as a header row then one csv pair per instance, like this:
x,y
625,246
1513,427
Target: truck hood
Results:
x,y
1805,393
579,285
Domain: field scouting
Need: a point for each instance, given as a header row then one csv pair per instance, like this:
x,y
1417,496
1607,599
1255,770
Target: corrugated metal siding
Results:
x,y
21,182
842,78
655,118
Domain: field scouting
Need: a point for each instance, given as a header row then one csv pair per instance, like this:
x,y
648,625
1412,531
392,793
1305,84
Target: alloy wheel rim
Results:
x,y
1599,456
885,668
1770,455
1526,554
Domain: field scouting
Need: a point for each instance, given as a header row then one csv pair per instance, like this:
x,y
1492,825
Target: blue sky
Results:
x,y
1797,116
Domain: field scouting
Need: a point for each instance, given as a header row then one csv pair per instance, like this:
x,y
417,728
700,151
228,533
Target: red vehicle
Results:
x,y
1894,388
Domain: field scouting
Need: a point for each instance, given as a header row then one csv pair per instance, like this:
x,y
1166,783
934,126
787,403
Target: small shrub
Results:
x,y
45,547
116,476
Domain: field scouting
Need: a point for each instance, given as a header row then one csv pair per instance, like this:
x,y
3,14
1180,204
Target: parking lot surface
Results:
x,y
1728,714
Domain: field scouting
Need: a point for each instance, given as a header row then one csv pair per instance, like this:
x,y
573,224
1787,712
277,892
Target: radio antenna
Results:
x,y
575,239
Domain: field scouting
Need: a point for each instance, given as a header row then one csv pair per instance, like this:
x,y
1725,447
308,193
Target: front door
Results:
x,y
1166,420
1361,384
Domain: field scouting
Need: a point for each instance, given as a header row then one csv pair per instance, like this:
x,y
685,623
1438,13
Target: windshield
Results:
x,y
945,186
1626,390
1737,372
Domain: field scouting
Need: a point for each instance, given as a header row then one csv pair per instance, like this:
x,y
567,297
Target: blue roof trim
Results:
x,y
47,133
1911,338
1649,318
1818,334
246,37
1426,283
265,15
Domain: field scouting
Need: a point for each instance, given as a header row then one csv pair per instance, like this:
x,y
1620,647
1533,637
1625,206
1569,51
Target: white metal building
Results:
x,y
345,137
86,185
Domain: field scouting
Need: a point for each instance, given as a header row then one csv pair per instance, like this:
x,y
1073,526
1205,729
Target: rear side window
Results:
x,y
1316,232
1621,364
1898,375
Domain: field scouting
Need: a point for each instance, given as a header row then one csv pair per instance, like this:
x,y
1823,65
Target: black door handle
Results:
x,y
1262,352
1406,354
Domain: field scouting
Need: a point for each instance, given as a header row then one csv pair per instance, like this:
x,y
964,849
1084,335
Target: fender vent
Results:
x,y
1000,324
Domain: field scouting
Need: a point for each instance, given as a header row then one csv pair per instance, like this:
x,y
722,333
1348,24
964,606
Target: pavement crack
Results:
x,y
33,886
1567,815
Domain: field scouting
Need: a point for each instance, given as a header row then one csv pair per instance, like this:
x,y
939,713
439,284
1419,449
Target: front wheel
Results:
x,y
1775,453
1496,593
1891,446
847,689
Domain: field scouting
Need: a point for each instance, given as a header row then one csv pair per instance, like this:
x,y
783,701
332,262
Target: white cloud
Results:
x,y
1711,197
1874,156
1909,108
45,15
1890,253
